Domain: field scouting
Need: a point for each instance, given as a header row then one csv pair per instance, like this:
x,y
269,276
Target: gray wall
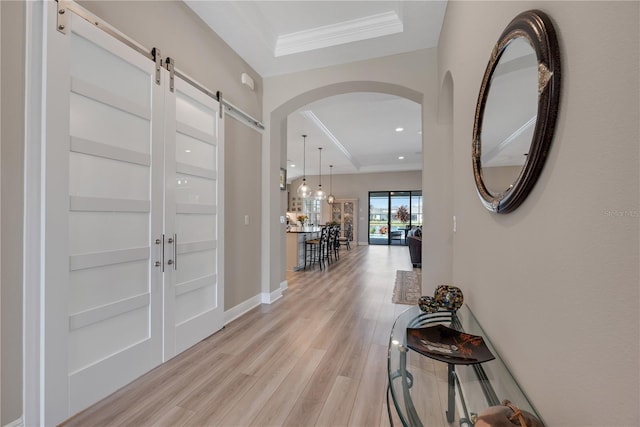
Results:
x,y
358,186
13,54
555,283
242,197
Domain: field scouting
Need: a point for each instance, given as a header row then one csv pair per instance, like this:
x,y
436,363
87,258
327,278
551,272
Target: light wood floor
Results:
x,y
317,357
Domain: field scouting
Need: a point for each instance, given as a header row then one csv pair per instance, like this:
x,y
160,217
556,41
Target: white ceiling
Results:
x,y
357,133
281,37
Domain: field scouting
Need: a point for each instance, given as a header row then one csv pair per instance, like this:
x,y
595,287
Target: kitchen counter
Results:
x,y
310,229
296,236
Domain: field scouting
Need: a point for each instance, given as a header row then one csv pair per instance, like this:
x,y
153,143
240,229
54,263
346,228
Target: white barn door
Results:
x,y
193,213
132,198
103,304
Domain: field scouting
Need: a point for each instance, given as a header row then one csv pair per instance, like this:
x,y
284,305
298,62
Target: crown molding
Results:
x,y
313,118
381,24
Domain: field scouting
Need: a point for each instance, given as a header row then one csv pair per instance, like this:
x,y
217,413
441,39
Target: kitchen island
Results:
x,y
296,236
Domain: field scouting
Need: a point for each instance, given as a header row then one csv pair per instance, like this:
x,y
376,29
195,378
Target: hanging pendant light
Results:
x,y
320,194
304,190
331,198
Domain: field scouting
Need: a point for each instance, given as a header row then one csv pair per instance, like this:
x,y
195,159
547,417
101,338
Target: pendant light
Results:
x,y
331,198
320,194
304,190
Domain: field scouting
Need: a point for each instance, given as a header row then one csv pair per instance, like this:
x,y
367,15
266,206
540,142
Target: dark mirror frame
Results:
x,y
537,28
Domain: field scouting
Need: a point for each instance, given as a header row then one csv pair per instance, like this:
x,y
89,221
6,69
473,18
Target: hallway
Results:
x,y
317,356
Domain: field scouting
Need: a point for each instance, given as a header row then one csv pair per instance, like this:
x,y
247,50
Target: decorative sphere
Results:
x,y
427,304
448,297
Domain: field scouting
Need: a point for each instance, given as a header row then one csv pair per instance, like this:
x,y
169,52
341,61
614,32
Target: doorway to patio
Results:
x,y
392,214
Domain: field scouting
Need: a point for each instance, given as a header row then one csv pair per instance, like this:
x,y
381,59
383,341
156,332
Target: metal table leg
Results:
x,y
451,398
407,382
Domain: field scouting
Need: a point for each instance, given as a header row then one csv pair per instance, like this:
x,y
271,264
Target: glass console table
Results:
x,y
426,392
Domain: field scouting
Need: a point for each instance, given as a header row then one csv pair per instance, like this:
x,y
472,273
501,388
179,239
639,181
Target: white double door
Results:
x,y
132,233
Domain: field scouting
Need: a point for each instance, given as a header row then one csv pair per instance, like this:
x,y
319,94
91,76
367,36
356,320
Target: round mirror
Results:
x,y
509,116
516,112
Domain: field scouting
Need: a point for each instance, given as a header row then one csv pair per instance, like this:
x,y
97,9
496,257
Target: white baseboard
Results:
x,y
363,243
270,298
17,423
242,308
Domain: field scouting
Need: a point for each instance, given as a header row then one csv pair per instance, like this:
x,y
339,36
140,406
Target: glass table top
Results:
x,y
432,393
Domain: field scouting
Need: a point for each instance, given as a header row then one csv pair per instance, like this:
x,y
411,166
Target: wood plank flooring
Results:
x,y
315,357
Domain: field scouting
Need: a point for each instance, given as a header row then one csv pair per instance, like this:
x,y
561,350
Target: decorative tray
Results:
x,y
448,345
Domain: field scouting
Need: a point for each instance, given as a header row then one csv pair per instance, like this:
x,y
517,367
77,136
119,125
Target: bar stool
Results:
x,y
333,245
326,246
348,235
313,249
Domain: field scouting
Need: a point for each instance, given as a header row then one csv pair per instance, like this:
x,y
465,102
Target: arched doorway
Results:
x,y
274,260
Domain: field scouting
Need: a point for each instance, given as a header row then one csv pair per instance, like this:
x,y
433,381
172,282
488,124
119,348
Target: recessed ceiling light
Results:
x,y
293,166
400,157
187,151
399,129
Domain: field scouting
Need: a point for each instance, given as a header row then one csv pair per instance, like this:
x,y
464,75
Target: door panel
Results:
x,y
379,218
101,63
193,228
195,152
399,200
117,333
193,207
194,190
194,265
110,283
103,308
88,231
196,110
98,122
113,179
195,301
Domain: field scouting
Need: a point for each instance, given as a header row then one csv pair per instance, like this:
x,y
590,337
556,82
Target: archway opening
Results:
x,y
279,141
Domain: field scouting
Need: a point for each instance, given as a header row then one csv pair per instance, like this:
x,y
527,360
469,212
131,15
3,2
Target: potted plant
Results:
x,y
402,214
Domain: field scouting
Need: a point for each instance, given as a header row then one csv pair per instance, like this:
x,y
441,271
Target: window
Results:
x,y
392,214
313,210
